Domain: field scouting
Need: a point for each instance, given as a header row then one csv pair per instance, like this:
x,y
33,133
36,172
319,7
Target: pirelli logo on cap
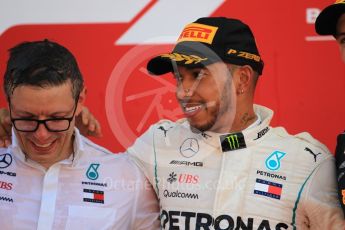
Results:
x,y
245,55
198,33
339,1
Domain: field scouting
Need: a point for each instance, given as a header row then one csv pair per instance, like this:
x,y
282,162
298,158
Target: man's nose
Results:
x,y
185,89
41,133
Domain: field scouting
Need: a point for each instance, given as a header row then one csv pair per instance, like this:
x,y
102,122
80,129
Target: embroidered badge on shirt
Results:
x,y
5,160
92,173
233,141
268,188
273,161
93,196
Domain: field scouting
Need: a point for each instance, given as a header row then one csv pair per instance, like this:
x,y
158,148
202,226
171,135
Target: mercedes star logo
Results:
x,y
5,160
189,147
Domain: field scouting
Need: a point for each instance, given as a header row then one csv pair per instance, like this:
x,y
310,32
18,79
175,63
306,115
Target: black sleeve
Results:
x,y
340,164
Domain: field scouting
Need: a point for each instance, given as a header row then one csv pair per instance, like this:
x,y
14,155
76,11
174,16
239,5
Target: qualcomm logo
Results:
x,y
273,161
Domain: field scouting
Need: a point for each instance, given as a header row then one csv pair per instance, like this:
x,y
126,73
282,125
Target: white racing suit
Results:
x,y
262,178
94,189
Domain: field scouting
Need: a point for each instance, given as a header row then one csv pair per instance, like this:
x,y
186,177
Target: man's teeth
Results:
x,y
192,108
43,146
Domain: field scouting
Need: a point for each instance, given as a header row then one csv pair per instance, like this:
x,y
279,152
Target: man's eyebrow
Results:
x,y
25,113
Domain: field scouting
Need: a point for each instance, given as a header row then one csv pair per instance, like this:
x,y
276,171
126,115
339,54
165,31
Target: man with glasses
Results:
x,y
51,177
331,21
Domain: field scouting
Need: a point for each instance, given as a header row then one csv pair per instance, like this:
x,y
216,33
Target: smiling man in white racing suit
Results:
x,y
223,166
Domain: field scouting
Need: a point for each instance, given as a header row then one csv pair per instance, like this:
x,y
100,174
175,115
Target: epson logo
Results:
x,y
262,133
193,220
187,163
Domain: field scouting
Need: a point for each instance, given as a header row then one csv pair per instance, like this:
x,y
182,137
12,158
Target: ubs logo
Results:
x,y
5,185
189,147
183,178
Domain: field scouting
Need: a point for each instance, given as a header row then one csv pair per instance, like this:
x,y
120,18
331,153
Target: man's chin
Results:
x,y
199,128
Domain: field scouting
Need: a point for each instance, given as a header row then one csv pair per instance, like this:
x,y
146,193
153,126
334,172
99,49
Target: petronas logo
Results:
x,y
92,173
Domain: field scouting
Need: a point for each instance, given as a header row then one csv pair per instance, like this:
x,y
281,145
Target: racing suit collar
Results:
x,y
78,147
248,137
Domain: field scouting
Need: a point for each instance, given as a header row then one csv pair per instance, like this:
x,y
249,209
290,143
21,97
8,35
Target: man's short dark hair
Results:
x,y
41,63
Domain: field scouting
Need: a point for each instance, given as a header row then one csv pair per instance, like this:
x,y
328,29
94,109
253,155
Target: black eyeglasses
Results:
x,y
51,124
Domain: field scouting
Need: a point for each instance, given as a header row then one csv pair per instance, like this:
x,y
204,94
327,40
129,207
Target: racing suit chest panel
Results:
x,y
246,180
188,179
277,170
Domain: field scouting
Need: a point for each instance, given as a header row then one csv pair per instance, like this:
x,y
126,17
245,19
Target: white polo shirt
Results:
x,y
93,189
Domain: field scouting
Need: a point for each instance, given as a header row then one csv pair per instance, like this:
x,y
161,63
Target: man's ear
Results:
x,y
81,101
245,78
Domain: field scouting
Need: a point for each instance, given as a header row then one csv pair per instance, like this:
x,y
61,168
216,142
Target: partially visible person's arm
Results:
x,y
147,208
87,124
5,128
340,164
321,203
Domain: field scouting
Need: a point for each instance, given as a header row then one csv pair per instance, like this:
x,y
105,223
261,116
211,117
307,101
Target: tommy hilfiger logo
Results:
x,y
93,196
268,188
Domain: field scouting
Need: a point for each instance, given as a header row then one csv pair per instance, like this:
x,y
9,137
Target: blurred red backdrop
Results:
x,y
303,79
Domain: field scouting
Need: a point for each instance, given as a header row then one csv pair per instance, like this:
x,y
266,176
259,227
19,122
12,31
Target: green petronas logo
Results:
x,y
92,173
233,141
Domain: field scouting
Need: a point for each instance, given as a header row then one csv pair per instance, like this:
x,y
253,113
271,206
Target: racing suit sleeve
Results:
x,y
142,154
146,210
320,205
340,164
